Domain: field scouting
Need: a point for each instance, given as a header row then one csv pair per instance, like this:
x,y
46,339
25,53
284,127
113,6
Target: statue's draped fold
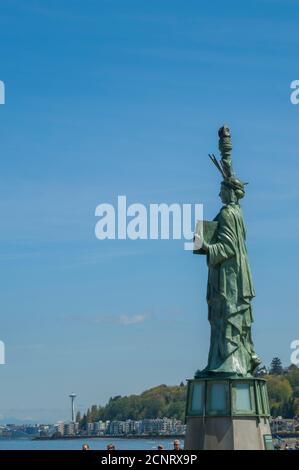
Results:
x,y
230,290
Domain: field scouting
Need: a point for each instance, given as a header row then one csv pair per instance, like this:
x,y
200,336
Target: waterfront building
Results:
x,y
59,428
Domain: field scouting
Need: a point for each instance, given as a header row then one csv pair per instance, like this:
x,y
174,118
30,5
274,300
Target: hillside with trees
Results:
x,y
283,390
169,401
157,402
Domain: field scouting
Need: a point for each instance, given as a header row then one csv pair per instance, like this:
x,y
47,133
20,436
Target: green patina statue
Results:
x,y
230,286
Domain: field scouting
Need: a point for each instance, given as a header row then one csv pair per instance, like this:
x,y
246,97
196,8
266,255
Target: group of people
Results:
x,y
176,445
286,446
110,447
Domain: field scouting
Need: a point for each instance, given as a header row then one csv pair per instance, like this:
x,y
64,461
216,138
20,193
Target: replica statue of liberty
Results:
x,y
230,286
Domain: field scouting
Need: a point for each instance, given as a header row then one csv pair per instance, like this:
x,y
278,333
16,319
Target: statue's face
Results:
x,y
224,131
224,194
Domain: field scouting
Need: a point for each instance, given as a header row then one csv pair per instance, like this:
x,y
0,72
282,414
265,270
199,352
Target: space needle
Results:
x,y
72,397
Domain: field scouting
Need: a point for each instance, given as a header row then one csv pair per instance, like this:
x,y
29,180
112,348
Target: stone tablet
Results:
x,y
209,229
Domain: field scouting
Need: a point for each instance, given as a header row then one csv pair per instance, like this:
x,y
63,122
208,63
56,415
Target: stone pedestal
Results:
x,y
227,414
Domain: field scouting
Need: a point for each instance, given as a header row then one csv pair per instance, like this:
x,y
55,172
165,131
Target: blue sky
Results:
x,y
105,98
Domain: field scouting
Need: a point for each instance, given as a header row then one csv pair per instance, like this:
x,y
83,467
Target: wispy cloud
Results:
x,y
132,320
164,315
122,319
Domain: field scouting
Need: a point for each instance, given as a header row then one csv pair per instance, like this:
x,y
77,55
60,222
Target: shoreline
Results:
x,y
158,436
281,435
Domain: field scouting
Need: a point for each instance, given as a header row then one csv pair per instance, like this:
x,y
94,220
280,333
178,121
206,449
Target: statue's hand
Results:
x,y
199,243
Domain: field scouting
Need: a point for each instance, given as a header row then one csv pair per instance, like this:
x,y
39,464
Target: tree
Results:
x,y
83,423
276,366
93,414
279,389
293,375
157,402
78,417
280,393
296,407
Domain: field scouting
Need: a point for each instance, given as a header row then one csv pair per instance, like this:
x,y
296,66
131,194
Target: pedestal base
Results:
x,y
227,414
227,433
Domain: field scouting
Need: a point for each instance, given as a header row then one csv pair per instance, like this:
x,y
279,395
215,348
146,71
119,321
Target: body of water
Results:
x,y
76,444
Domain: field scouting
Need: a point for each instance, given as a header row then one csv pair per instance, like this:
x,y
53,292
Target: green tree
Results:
x,y
157,402
280,393
293,375
83,423
296,407
276,366
93,414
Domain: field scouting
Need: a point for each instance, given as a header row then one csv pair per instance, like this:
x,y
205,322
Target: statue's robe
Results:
x,y
230,290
